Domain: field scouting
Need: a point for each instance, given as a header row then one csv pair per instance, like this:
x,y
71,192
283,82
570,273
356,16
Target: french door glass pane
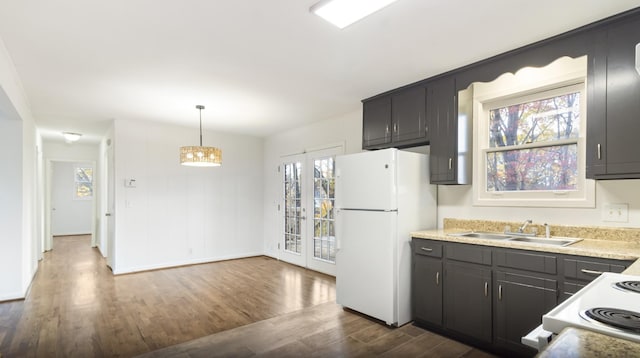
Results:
x,y
292,207
324,216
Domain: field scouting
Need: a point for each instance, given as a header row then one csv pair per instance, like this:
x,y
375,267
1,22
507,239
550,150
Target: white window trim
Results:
x,y
537,86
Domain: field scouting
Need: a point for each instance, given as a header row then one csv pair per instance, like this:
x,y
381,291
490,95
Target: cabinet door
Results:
x,y
597,107
467,293
623,99
443,137
520,303
376,123
408,116
427,289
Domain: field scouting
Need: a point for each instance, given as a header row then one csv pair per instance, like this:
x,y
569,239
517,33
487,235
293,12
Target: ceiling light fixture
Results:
x,y
71,137
638,58
200,156
343,13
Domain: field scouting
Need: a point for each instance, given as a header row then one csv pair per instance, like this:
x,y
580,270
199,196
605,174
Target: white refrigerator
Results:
x,y
381,196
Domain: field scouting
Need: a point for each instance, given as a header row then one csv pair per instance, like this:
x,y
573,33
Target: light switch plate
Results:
x,y
615,213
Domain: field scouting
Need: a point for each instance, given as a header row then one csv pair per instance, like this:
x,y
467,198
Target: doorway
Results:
x,y
71,200
307,209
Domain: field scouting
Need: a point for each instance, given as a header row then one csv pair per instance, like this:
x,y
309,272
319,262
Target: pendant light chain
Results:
x,y
200,107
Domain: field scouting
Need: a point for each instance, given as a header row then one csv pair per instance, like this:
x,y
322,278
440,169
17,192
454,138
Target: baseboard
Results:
x,y
184,263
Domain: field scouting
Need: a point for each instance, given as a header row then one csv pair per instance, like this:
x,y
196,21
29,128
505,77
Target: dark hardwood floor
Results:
x,y
246,307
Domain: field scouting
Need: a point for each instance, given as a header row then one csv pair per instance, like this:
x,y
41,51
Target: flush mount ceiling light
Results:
x,y
199,156
343,13
71,137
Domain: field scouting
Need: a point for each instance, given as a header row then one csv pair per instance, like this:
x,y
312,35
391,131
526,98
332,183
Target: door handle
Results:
x,y
500,293
486,289
107,214
591,272
437,278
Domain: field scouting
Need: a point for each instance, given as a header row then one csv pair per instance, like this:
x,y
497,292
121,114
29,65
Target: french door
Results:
x,y
308,210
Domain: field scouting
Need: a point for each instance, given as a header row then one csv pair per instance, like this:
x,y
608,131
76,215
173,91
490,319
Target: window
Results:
x,y
83,183
530,140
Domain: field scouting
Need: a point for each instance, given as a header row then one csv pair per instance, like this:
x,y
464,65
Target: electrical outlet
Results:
x,y
615,213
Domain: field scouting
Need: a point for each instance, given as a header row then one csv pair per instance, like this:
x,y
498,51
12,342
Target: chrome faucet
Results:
x,y
524,226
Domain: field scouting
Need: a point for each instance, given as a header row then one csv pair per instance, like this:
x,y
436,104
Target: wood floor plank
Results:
x,y
240,308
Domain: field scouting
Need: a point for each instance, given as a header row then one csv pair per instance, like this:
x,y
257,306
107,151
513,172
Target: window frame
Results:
x,y
540,87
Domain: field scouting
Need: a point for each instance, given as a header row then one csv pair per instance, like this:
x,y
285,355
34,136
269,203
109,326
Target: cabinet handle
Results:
x,y
591,272
450,163
426,249
395,128
486,289
437,278
599,151
500,293
387,129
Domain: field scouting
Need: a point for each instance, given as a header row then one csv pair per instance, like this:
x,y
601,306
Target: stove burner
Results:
x,y
632,286
618,318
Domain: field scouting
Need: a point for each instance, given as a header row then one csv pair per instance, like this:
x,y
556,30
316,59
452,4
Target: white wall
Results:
x,y
18,161
456,202
345,130
180,215
10,208
71,216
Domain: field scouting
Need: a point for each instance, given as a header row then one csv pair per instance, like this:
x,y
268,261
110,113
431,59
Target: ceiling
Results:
x,y
259,67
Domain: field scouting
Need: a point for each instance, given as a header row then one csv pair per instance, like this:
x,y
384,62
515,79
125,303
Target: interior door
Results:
x,y
308,210
110,209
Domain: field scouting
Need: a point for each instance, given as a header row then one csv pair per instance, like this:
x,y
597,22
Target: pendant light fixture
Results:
x,y
199,156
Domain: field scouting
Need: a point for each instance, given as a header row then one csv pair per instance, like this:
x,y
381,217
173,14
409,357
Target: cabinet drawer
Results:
x,y
468,253
427,248
589,270
526,261
571,288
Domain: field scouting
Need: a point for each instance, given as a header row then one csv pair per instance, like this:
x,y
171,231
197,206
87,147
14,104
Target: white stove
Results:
x,y
609,305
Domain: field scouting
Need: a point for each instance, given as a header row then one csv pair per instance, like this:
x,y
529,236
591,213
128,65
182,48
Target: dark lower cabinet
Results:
x,y
491,297
467,293
520,303
427,293
579,271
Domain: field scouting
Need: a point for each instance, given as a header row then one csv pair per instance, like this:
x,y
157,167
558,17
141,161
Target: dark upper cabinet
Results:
x,y
408,115
396,120
613,120
451,131
376,128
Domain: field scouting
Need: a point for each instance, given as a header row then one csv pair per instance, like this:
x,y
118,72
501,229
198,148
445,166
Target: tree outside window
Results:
x,y
84,183
533,145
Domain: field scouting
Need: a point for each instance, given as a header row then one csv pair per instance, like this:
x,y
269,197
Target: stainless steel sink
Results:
x,y
565,241
546,241
483,235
